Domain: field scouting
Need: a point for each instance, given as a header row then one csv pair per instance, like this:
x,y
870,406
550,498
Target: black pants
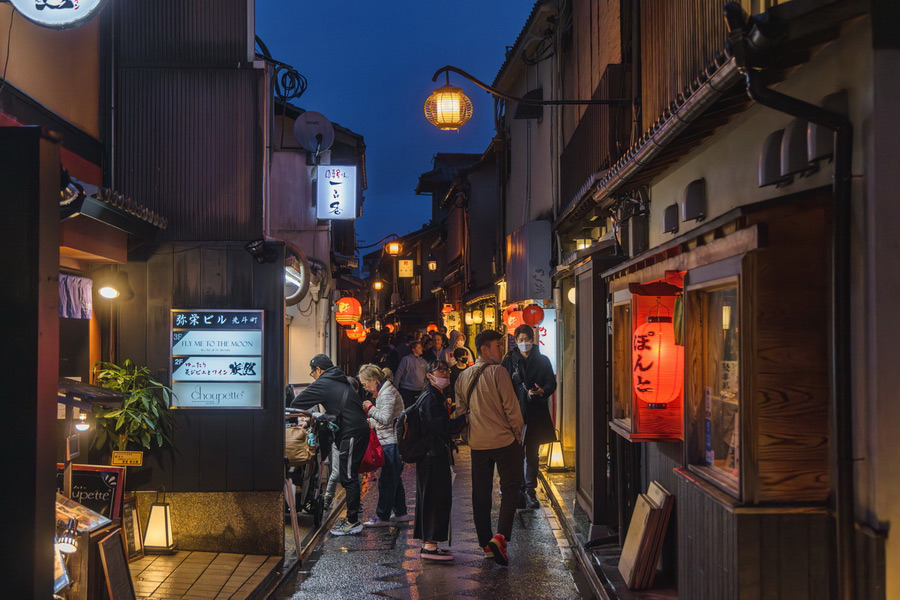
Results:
x,y
434,498
509,464
409,396
532,454
352,449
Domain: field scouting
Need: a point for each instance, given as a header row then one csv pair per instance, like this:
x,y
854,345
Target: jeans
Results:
x,y
508,461
391,495
532,452
352,450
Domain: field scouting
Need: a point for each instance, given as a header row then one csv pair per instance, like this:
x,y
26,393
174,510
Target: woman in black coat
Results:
x,y
434,493
534,382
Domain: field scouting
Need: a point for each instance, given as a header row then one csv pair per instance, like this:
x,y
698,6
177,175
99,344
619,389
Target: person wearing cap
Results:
x,y
332,390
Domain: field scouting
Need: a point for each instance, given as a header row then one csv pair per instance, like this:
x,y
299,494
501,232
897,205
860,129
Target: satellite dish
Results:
x,y
314,132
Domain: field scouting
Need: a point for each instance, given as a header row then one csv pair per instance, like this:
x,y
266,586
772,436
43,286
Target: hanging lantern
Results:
x,y
362,337
452,320
356,331
448,108
532,315
448,308
490,315
657,363
349,310
513,320
390,327
431,328
469,320
478,317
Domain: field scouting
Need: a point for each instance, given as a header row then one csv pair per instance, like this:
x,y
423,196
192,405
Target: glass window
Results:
x,y
622,331
715,386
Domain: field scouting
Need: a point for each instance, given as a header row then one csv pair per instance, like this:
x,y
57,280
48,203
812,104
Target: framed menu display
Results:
x,y
98,487
217,358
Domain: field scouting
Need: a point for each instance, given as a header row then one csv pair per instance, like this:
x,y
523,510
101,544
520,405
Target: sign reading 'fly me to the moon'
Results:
x,y
217,358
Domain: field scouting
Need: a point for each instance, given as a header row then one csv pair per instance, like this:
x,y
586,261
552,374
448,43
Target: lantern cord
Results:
x,y
530,102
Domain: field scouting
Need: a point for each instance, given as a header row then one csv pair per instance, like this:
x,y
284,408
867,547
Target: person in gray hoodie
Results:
x,y
387,406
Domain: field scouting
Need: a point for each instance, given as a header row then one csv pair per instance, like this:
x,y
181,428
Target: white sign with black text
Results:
x,y
58,14
336,192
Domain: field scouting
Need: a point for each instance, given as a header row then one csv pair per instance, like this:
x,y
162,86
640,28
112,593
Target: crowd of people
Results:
x,y
497,402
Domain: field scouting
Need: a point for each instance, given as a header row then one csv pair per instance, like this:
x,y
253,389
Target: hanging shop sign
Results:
x,y
58,14
545,335
405,268
336,192
657,363
217,358
349,310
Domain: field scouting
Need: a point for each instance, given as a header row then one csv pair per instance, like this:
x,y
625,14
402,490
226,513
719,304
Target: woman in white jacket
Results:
x,y
387,407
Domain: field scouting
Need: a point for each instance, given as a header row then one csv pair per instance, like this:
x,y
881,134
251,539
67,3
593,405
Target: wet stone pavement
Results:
x,y
384,562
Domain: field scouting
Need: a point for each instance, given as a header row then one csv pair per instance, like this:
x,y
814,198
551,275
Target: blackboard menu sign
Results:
x,y
115,567
131,529
98,487
217,358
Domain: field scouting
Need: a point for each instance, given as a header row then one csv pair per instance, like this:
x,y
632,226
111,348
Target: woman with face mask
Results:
x,y
534,381
433,480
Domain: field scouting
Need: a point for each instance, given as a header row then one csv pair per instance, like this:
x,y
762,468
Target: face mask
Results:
x,y
525,347
440,382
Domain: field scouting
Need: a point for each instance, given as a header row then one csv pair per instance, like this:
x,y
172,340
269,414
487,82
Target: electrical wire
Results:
x,y
12,14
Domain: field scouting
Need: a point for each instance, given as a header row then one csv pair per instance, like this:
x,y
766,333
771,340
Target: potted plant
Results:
x,y
144,420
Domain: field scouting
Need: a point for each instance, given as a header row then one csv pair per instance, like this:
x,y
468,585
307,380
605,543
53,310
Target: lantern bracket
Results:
x,y
527,101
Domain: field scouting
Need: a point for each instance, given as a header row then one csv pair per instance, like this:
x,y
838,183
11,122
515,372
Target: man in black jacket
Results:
x,y
332,390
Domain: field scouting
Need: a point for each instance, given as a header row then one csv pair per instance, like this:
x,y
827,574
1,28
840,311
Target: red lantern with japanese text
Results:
x,y
513,319
532,315
356,331
657,363
349,310
448,308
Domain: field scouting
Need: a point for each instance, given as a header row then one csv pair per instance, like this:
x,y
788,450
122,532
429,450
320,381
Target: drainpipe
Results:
x,y
841,430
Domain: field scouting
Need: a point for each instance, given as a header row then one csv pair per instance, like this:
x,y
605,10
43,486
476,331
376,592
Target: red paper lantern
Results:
x,y
512,320
349,310
448,308
362,338
431,328
390,327
532,315
657,363
356,331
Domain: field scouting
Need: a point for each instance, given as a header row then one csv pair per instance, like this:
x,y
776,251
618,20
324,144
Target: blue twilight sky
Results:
x,y
369,66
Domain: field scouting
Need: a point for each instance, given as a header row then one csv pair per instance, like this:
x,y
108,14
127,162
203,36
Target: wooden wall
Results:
x,y
215,449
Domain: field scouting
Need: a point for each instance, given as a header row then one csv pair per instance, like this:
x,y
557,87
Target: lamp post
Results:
x,y
394,249
448,108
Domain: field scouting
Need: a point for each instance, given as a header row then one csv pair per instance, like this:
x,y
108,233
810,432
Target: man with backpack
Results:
x,y
486,393
332,390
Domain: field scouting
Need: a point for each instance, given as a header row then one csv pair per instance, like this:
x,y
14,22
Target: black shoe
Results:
x,y
523,501
531,499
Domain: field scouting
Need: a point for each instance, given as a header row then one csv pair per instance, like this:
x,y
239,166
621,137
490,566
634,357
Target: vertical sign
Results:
x,y
405,268
217,358
336,193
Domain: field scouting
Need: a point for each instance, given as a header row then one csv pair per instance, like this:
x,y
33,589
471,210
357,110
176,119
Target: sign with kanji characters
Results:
x,y
217,358
58,14
405,268
336,192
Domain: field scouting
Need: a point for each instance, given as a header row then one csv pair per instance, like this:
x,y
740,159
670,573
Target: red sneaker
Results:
x,y
488,551
498,545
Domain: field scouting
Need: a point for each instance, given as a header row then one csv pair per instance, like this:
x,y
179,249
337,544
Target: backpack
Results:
x,y
412,443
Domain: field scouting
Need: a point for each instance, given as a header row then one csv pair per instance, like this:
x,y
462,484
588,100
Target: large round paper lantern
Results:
x,y
390,327
356,331
431,328
532,315
490,315
657,363
448,308
452,320
349,310
362,337
513,320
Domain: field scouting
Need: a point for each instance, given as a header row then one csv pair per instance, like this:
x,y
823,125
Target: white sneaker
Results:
x,y
403,518
345,528
376,522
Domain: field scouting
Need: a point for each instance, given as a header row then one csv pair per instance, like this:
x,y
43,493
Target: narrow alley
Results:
x,y
385,562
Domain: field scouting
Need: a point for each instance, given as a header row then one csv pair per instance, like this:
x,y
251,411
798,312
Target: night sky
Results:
x,y
369,66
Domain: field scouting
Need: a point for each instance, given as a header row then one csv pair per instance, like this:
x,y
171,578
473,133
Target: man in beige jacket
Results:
x,y
495,438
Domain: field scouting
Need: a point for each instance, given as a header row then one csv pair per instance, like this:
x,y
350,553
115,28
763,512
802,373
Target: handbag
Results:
x,y
297,448
374,456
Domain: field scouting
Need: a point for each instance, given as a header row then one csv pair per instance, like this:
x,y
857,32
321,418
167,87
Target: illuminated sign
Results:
x,y
58,14
336,193
405,268
217,358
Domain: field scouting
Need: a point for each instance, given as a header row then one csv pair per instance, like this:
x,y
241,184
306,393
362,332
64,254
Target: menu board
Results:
x,y
217,358
98,487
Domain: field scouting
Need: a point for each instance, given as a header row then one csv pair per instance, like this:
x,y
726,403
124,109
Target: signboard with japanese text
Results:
x,y
58,14
336,192
405,268
546,336
217,358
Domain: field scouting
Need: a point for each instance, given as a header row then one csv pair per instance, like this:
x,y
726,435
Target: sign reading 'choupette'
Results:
x,y
58,14
217,358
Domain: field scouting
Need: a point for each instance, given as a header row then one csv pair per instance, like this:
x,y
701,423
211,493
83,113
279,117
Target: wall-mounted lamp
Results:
x,y
112,285
570,295
158,538
67,543
393,248
82,424
431,261
377,285
261,251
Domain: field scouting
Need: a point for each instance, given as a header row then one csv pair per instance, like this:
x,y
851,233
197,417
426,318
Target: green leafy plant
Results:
x,y
144,420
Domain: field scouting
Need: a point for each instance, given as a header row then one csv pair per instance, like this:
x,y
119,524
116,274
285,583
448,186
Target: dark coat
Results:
x,y
525,373
328,390
433,480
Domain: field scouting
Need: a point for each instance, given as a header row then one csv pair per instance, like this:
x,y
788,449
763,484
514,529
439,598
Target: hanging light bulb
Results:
x,y
82,424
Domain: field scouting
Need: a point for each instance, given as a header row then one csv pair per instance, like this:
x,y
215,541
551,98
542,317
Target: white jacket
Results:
x,y
388,406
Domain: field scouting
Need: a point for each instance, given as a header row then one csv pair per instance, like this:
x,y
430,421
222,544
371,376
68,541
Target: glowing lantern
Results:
x,y
356,331
469,320
513,320
448,108
478,317
452,320
657,364
532,315
390,327
431,328
490,315
362,337
448,308
349,310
